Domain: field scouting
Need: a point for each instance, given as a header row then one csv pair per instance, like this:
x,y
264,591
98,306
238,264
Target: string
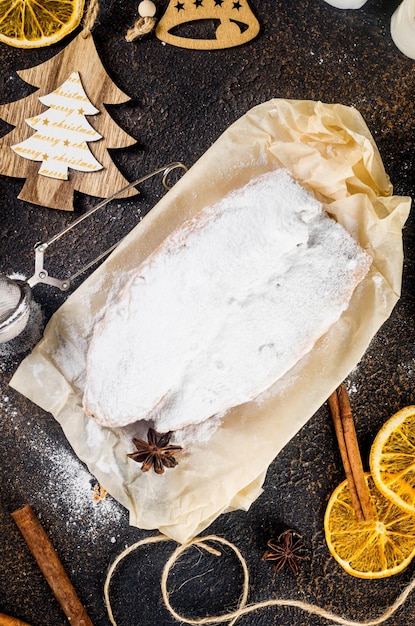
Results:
x,y
242,608
142,26
90,17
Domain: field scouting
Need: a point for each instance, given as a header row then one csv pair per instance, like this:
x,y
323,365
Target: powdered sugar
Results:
x,y
69,484
226,306
66,483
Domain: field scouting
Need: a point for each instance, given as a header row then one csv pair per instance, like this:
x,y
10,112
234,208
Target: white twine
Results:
x,y
242,608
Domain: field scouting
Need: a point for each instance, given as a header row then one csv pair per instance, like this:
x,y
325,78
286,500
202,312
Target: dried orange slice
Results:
x,y
38,23
392,459
374,548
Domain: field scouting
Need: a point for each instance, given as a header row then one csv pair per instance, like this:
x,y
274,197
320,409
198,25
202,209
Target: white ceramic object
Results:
x,y
403,28
346,4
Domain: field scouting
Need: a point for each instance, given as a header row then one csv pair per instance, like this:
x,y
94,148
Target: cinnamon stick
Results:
x,y
51,566
338,428
6,620
350,453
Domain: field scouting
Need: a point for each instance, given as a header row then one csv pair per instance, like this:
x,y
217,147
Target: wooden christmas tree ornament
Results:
x,y
62,132
233,20
73,152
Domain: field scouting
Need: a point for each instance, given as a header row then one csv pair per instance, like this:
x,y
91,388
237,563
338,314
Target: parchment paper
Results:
x,y
328,149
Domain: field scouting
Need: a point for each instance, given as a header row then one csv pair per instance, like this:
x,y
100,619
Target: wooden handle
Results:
x,y
50,565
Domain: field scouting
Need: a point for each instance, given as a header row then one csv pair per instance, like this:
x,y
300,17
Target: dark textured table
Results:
x,y
181,101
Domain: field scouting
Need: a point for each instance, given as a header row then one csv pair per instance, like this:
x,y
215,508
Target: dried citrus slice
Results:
x,y
37,23
374,548
392,459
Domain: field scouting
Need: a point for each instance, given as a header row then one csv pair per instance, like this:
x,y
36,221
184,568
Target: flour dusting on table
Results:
x,y
223,308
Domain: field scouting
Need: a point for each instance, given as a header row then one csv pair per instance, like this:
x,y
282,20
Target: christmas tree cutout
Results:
x,y
62,132
79,57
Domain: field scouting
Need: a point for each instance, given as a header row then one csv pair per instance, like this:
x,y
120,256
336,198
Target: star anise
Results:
x,y
288,548
155,452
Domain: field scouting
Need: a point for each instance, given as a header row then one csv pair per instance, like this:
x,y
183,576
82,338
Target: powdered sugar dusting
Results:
x,y
226,306
72,487
67,484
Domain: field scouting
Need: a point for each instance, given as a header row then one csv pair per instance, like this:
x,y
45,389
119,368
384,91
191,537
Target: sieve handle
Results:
x,y
41,275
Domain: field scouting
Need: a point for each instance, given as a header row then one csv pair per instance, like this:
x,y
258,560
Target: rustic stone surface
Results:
x,y
182,100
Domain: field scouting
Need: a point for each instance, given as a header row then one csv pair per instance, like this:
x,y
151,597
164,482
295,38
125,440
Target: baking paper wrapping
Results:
x,y
329,150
